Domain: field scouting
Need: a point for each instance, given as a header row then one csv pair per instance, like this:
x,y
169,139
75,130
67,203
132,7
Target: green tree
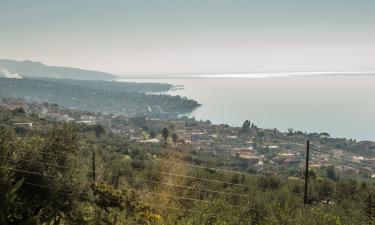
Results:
x,y
47,191
174,137
8,185
290,131
98,129
19,110
152,134
324,135
269,182
165,133
245,126
331,173
313,175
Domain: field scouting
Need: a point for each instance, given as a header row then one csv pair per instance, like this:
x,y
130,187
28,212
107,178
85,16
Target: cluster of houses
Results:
x,y
48,112
345,162
257,147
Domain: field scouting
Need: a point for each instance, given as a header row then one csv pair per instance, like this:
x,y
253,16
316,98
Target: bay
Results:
x,y
341,104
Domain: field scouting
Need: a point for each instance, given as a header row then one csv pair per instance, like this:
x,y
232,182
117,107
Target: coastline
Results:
x,y
337,104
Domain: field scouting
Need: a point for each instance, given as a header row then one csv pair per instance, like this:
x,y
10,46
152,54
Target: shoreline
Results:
x,y
305,104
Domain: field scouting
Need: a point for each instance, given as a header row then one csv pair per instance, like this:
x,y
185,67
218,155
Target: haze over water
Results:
x,y
340,104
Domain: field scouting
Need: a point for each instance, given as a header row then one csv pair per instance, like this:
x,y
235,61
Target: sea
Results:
x,y
339,103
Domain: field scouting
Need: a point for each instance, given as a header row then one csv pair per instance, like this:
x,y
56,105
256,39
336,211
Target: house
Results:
x,y
358,159
286,158
66,118
315,166
259,166
337,153
347,170
88,120
184,134
246,153
153,141
200,138
369,161
231,137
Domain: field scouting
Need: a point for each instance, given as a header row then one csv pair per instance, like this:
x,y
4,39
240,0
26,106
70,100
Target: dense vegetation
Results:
x,y
47,177
114,86
99,96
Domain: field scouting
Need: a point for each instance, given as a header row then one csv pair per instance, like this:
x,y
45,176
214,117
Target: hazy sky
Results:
x,y
191,36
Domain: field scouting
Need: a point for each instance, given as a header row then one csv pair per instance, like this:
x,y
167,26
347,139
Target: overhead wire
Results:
x,y
36,173
203,179
203,167
189,187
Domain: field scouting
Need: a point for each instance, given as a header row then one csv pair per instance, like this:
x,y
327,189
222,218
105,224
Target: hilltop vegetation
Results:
x,y
113,85
99,96
47,177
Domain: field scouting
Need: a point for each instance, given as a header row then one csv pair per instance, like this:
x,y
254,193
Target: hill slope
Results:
x,y
98,96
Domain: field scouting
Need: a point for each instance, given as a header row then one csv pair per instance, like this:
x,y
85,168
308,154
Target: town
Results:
x,y
248,148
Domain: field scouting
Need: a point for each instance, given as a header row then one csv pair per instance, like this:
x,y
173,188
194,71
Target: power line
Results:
x,y
204,179
197,166
191,199
171,174
42,163
204,201
36,173
203,167
342,161
40,185
189,187
320,146
49,164
212,168
154,205
191,177
57,155
330,148
175,208
167,161
190,210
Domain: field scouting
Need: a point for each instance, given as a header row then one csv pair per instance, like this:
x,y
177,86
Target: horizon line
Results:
x,y
246,75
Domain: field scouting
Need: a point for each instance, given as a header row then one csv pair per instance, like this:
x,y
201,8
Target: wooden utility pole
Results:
x,y
93,165
370,210
306,171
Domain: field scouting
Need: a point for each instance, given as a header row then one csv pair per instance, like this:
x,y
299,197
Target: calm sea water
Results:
x,y
342,105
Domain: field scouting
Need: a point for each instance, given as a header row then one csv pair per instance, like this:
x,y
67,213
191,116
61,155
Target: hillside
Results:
x,y
36,69
113,85
99,96
47,177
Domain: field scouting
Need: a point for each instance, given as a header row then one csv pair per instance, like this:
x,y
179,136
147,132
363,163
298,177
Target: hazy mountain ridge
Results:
x,y
37,69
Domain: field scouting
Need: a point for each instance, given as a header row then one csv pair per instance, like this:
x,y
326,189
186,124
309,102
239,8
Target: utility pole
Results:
x,y
306,171
93,183
93,165
370,210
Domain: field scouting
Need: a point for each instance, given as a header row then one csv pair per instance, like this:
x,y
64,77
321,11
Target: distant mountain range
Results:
x,y
16,69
